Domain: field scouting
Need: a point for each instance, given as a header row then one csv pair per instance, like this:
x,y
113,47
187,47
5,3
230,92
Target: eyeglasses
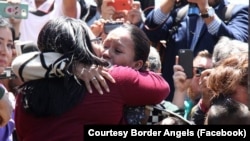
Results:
x,y
198,71
97,40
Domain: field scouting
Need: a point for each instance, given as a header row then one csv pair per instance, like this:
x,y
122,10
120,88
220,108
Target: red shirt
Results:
x,y
132,88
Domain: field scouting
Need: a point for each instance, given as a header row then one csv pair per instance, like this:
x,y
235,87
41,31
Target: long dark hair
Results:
x,y
54,96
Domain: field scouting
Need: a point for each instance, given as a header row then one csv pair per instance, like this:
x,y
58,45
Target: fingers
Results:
x,y
178,68
105,74
87,85
94,76
136,5
176,59
95,81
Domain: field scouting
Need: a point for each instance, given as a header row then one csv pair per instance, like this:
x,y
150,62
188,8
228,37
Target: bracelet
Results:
x,y
2,92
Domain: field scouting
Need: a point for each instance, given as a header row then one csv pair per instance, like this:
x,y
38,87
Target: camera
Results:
x,y
120,5
110,26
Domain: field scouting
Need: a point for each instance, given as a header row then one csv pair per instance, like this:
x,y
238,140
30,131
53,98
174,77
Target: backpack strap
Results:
x,y
227,13
181,13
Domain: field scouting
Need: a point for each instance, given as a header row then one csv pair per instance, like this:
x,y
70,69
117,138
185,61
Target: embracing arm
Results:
x,y
140,88
30,66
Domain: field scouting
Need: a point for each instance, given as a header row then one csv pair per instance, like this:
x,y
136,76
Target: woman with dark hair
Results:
x,y
60,98
227,111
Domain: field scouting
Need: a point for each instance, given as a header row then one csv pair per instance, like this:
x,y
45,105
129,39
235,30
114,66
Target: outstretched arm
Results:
x,y
27,65
70,8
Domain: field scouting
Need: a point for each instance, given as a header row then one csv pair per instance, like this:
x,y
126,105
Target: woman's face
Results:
x,y
6,46
118,48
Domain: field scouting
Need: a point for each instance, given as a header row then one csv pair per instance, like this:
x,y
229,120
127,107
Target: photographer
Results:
x,y
127,11
188,91
196,31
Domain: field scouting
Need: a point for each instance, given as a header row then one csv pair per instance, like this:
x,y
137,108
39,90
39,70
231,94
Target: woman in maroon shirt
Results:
x,y
132,88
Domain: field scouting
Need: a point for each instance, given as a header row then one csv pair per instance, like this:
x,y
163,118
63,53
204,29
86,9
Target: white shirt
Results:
x,y
30,27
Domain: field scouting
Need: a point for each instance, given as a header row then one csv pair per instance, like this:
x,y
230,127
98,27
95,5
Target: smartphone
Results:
x,y
186,61
15,10
120,5
110,26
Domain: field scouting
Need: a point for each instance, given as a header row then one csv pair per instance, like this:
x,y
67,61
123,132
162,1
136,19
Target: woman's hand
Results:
x,y
207,93
95,75
107,11
135,15
6,108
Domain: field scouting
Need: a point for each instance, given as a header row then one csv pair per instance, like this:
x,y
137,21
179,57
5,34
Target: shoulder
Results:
x,y
123,71
127,75
238,7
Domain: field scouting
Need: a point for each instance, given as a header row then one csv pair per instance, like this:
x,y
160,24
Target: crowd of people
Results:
x,y
91,63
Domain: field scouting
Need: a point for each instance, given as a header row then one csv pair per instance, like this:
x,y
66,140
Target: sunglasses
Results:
x,y
198,71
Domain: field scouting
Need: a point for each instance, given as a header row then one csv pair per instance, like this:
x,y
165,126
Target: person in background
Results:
x,y
147,5
226,111
154,114
196,31
91,106
229,78
134,15
7,98
233,47
220,53
228,82
154,60
187,91
40,12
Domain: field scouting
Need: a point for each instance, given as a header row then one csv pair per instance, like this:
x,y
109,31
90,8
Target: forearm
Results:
x,y
178,99
70,8
31,70
167,5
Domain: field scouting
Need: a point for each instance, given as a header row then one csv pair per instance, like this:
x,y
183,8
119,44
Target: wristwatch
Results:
x,y
209,13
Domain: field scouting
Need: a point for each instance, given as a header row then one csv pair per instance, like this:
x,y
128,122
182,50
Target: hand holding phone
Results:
x,y
15,10
186,61
120,5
